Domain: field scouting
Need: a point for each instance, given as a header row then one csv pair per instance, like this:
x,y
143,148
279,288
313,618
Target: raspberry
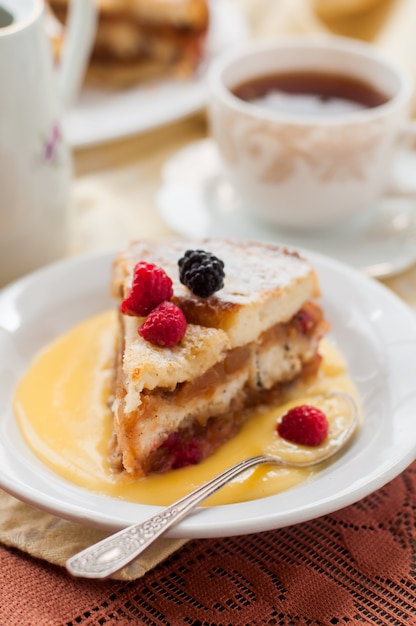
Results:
x,y
182,452
305,322
150,286
305,425
202,272
165,325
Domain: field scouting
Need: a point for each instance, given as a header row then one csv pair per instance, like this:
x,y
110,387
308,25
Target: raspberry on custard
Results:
x,y
150,286
164,326
305,425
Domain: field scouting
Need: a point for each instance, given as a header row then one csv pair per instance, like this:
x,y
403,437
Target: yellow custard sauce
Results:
x,y
61,405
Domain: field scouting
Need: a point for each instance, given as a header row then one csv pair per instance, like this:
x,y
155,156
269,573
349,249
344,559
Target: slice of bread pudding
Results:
x,y
244,345
138,40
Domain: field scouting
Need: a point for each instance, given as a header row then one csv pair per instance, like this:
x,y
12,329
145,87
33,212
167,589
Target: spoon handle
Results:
x,y
114,552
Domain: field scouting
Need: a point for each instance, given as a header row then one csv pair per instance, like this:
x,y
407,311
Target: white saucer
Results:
x,y
196,200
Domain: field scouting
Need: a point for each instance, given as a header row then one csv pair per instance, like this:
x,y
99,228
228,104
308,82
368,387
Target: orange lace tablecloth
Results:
x,y
355,566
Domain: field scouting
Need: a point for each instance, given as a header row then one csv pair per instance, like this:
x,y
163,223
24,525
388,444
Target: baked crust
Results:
x,y
264,284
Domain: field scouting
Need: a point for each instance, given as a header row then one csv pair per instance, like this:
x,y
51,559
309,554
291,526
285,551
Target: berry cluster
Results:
x,y
305,425
152,289
150,292
202,272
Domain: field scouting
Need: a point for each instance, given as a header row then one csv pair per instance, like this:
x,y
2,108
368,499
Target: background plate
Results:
x,y
104,115
372,327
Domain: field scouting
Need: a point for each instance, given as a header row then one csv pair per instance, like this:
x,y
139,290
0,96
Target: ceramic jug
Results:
x,y
35,160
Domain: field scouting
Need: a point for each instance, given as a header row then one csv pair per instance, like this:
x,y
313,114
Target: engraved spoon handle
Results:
x,y
114,552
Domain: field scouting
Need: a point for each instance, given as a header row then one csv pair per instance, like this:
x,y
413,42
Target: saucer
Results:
x,y
196,200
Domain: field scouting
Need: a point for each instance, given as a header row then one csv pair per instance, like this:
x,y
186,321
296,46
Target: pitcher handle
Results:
x,y
78,41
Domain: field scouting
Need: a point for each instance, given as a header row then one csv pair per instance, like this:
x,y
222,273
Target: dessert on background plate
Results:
x,y
138,40
207,330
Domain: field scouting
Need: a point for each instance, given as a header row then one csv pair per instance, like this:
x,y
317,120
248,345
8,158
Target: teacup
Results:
x,y
300,166
35,160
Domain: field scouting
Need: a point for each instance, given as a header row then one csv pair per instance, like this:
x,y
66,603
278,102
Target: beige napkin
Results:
x,y
54,540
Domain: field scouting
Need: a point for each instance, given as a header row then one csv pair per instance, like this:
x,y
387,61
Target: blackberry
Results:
x,y
201,272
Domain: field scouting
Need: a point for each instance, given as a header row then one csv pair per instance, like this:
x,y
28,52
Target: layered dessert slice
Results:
x,y
141,39
245,344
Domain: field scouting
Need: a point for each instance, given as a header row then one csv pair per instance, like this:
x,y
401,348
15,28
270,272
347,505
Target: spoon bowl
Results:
x,y
114,552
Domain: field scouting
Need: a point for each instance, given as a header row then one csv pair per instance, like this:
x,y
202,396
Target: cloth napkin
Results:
x,y
54,540
354,567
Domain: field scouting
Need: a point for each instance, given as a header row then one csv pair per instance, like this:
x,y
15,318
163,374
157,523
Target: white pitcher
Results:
x,y
35,161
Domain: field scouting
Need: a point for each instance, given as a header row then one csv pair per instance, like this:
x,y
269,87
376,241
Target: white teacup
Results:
x,y
35,161
308,170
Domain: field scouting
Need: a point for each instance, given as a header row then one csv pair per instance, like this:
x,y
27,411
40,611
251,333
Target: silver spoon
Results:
x,y
114,552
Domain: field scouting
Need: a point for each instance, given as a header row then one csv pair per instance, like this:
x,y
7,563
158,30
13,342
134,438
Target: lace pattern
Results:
x,y
355,566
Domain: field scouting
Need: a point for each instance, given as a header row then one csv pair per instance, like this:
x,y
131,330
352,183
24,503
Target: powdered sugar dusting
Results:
x,y
250,268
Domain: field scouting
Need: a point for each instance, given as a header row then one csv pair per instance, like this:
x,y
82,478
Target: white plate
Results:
x,y
374,329
104,115
196,200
